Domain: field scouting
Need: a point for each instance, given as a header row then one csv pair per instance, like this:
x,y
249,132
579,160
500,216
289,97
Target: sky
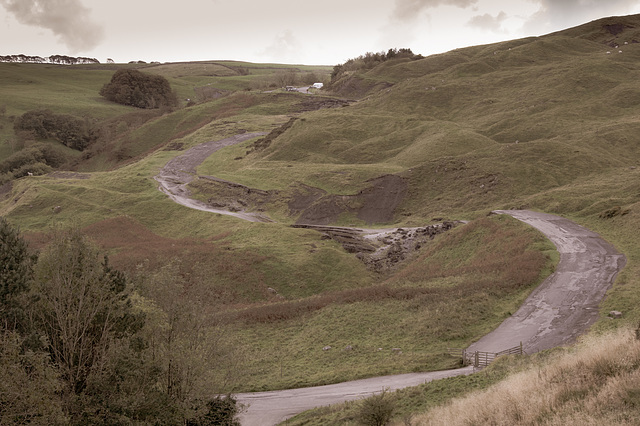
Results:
x,y
326,32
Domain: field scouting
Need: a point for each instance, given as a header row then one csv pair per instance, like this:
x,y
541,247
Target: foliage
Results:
x,y
377,410
82,306
220,411
141,90
369,61
71,131
182,331
37,159
29,385
16,273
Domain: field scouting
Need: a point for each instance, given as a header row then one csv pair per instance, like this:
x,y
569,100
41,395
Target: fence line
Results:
x,y
481,359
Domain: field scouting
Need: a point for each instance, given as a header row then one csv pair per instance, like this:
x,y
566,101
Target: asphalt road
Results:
x,y
558,311
177,173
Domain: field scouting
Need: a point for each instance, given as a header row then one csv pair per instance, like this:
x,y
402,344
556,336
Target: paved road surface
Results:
x,y
566,303
559,310
177,173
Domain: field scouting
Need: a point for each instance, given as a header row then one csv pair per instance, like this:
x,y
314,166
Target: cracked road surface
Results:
x,y
177,173
566,303
556,313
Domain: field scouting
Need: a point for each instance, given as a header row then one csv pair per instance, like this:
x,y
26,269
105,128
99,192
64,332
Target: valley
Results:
x,y
258,226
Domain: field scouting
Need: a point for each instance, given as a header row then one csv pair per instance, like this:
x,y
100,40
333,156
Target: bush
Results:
x,y
377,410
134,88
37,159
221,411
71,131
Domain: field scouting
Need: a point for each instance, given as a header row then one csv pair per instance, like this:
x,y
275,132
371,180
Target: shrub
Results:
x,y
24,160
71,131
376,410
221,411
134,88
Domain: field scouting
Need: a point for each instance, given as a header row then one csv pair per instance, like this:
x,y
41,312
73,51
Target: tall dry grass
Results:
x,y
595,383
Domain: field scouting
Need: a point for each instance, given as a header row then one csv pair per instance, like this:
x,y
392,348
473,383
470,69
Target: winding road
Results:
x,y
178,172
564,306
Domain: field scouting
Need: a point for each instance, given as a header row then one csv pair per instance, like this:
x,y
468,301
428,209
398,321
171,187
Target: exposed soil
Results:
x,y
382,249
559,310
374,204
176,175
314,103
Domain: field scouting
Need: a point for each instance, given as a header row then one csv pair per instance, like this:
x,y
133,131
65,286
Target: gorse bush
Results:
x,y
141,90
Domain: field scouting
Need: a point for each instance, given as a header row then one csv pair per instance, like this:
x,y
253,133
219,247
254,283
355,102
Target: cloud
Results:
x,y
408,9
69,20
285,47
558,14
488,22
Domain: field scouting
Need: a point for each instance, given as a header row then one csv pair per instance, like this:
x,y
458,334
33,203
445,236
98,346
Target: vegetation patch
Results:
x,y
134,88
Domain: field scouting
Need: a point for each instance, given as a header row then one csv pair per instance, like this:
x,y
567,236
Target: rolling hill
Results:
x,y
547,123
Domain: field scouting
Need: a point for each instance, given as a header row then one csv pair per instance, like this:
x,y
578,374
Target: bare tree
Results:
x,y
81,306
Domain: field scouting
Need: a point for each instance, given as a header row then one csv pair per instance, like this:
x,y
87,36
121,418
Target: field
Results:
x,y
548,123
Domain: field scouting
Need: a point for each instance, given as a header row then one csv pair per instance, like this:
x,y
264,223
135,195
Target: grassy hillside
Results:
x,y
548,123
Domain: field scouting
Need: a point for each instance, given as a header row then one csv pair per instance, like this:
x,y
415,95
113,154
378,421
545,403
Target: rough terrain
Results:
x,y
180,171
556,313
560,309
566,303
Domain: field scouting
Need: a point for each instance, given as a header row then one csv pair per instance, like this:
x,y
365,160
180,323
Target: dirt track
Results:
x,y
559,310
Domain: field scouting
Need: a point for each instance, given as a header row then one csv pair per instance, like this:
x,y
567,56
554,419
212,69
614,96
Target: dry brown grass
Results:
x,y
596,383
505,264
131,246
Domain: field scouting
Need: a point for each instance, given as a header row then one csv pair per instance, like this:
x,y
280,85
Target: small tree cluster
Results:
x,y
370,60
79,346
37,159
141,90
71,131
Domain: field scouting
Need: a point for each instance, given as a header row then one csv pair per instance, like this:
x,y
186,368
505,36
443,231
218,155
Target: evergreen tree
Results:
x,y
16,272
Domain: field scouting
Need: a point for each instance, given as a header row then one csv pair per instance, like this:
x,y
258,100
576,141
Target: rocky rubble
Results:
x,y
382,249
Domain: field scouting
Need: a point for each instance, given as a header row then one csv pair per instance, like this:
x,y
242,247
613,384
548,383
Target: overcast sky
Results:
x,y
286,31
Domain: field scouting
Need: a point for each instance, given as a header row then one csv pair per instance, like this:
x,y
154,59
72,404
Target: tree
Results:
x,y
74,132
29,385
187,341
16,272
141,90
82,307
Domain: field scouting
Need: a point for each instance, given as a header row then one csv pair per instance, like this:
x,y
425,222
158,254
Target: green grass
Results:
x,y
546,123
448,297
